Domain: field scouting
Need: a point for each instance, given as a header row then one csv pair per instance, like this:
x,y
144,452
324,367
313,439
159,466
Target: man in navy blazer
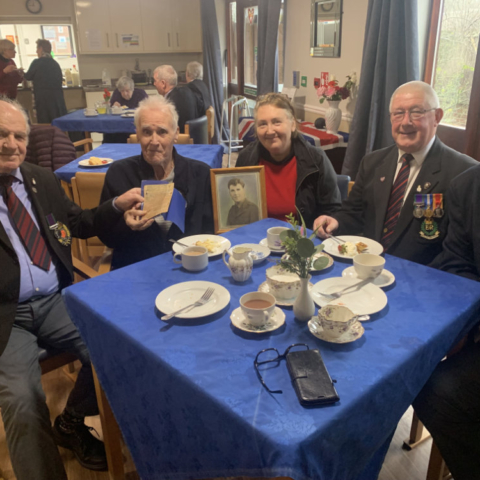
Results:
x,y
415,114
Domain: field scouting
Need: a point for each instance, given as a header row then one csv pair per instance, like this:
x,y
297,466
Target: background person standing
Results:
x,y
10,75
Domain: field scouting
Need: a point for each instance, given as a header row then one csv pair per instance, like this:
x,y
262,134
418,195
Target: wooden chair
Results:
x,y
350,186
87,188
183,138
198,130
86,143
132,138
211,123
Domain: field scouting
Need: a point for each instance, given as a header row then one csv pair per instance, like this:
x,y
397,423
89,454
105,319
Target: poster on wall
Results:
x,y
94,39
61,39
129,40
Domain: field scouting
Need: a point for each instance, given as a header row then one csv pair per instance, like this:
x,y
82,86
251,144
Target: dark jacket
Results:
x,y
185,103
200,90
137,96
48,197
192,180
8,81
316,190
364,210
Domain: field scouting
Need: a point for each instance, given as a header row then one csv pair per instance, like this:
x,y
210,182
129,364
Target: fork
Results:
x,y
201,301
338,240
338,294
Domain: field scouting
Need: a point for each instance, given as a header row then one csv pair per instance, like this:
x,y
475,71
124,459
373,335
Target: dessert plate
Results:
x,y
331,246
385,279
216,243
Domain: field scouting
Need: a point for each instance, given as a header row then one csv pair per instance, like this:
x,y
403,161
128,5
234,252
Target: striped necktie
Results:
x,y
31,237
395,202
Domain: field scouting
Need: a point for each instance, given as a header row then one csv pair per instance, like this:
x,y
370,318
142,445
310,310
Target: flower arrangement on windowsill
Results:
x,y
333,92
300,251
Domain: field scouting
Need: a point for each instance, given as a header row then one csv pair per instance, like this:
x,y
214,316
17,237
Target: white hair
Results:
x,y
156,102
15,105
125,83
429,93
167,73
195,71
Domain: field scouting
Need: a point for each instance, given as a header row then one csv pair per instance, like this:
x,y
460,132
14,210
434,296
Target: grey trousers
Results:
x,y
25,415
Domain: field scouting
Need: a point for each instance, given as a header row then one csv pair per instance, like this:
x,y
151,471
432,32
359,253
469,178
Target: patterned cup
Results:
x,y
336,319
283,284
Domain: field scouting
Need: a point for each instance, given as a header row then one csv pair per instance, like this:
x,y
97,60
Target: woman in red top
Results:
x,y
10,75
296,173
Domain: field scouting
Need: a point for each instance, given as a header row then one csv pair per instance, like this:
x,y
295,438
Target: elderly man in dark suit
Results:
x,y
399,194
195,83
36,224
448,404
165,81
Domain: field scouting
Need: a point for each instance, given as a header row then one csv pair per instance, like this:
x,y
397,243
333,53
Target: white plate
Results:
x,y
84,163
331,246
283,302
182,294
385,279
258,254
128,115
367,300
276,321
91,114
318,255
118,113
223,243
264,243
354,333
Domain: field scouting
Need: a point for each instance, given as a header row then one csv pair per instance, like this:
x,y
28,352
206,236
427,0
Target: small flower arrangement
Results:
x,y
300,249
106,95
333,92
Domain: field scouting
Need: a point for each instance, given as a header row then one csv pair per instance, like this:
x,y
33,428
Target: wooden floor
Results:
x,y
399,464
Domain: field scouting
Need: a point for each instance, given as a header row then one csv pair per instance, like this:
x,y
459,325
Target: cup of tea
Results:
x,y
90,111
273,237
368,265
257,307
336,319
193,258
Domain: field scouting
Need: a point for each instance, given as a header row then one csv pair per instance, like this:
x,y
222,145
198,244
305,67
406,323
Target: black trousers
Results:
x,y
449,406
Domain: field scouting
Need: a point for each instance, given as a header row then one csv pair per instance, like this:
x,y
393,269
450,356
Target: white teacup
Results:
x,y
283,284
257,307
193,258
336,319
117,110
273,237
90,111
368,265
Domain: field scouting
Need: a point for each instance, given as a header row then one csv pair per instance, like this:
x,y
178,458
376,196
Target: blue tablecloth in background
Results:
x,y
78,122
210,154
190,405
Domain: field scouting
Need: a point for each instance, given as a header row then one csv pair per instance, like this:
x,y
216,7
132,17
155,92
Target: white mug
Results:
x,y
257,307
273,237
193,258
90,111
368,265
117,110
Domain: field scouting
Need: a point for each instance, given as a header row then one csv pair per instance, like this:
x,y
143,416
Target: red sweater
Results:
x,y
8,81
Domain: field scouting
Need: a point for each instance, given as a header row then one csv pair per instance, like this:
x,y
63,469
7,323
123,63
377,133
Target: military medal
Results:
x,y
438,211
60,230
429,227
418,211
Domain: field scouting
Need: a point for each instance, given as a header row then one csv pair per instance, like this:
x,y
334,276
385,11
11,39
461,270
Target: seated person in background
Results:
x,y
449,404
296,173
124,95
36,224
157,129
243,211
381,205
183,99
10,75
195,83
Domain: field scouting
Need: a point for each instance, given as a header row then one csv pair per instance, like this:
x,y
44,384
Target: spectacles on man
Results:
x,y
414,114
270,355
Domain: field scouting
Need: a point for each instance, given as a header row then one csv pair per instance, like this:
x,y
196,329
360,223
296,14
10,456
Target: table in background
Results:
x,y
78,122
190,405
210,154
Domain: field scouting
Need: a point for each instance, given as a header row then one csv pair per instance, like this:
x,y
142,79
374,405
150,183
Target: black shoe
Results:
x,y
89,451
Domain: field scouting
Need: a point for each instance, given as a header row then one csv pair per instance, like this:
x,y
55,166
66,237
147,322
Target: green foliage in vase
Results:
x,y
300,250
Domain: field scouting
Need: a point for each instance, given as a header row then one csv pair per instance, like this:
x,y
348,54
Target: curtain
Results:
x,y
390,58
212,61
267,70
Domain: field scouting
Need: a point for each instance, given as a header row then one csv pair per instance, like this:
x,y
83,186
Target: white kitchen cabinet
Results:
x,y
156,26
126,25
186,21
93,26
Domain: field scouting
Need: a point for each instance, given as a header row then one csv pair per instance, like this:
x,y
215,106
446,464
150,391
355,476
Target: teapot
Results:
x,y
240,263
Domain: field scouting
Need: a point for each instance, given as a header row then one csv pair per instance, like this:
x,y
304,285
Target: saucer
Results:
x,y
264,242
385,279
276,321
284,302
354,333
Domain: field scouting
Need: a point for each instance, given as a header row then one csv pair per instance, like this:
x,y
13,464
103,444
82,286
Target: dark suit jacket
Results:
x,y
186,104
364,210
461,248
48,198
200,90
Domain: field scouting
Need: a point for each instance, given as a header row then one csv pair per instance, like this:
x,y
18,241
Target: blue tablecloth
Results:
x,y
210,154
190,405
78,122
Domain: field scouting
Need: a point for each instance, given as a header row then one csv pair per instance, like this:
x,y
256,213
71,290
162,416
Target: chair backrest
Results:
x,y
133,138
184,138
342,182
211,123
350,186
198,129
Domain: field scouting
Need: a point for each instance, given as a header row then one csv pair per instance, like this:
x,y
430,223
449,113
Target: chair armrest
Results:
x,y
87,142
83,270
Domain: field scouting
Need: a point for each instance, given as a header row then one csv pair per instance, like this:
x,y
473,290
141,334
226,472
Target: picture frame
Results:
x,y
239,196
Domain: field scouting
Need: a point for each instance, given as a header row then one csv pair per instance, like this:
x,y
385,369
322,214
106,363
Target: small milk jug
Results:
x,y
240,263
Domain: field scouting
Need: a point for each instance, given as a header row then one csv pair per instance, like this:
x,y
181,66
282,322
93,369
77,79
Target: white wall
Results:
x,y
297,55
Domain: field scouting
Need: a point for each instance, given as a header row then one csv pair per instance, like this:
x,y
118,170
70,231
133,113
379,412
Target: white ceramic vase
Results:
x,y
304,308
333,116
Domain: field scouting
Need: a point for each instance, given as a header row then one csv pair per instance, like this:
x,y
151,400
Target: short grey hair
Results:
x,y
429,93
195,70
156,102
167,73
19,108
5,45
125,83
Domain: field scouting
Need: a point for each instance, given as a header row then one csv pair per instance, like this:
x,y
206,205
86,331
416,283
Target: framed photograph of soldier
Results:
x,y
239,196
